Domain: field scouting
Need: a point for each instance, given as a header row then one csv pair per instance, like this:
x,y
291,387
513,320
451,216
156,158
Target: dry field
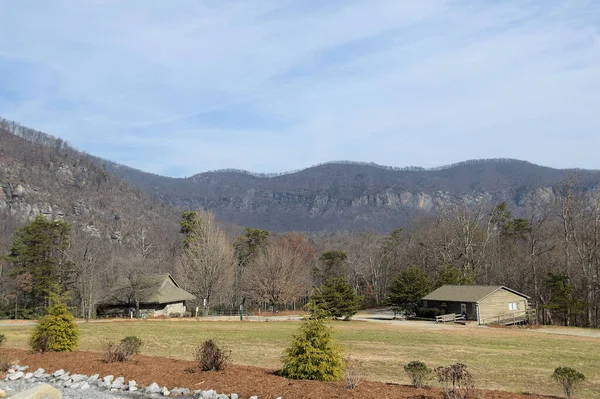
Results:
x,y
501,359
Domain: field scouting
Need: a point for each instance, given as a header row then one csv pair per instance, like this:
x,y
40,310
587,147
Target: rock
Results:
x,y
165,391
253,397
39,372
21,368
109,379
84,386
15,376
28,376
222,396
75,385
234,396
133,388
93,378
132,383
117,384
65,377
44,391
68,384
211,394
79,377
58,373
181,392
152,388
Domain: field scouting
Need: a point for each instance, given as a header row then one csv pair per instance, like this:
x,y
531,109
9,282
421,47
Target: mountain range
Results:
x,y
355,196
41,174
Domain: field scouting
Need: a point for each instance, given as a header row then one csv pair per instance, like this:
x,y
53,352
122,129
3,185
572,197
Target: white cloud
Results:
x,y
277,85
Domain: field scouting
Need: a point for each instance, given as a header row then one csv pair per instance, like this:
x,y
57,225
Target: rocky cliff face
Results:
x,y
60,183
350,196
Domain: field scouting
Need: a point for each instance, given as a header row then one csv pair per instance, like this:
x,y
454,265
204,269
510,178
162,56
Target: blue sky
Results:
x,y
183,87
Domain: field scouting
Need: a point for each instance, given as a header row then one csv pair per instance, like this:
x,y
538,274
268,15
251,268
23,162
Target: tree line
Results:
x,y
551,252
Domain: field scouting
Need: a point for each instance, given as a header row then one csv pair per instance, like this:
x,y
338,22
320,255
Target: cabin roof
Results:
x,y
152,288
466,293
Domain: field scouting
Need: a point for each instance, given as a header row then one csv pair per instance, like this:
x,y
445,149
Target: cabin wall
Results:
x,y
498,304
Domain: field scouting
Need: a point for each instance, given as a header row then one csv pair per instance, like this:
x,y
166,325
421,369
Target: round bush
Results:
x,y
56,331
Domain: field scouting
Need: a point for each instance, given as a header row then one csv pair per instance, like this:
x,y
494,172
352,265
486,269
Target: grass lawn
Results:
x,y
503,359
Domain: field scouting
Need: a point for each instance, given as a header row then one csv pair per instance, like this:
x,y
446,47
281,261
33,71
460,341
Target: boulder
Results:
x,y
43,391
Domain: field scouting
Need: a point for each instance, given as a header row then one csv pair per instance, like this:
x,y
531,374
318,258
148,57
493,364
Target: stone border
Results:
x,y
109,383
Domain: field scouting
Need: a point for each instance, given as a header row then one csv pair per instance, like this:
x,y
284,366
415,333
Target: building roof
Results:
x,y
151,289
466,293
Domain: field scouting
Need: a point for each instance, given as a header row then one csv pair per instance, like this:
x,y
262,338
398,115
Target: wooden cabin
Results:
x,y
484,304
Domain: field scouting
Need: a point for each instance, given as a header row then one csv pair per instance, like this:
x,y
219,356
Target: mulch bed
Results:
x,y
243,380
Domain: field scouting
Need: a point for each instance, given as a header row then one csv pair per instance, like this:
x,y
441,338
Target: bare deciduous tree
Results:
x,y
208,260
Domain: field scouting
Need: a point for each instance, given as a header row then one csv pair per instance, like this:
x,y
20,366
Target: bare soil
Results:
x,y
243,380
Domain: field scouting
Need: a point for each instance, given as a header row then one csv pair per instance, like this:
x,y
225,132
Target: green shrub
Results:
x,y
211,357
568,379
132,345
122,351
2,340
312,354
56,331
456,381
417,372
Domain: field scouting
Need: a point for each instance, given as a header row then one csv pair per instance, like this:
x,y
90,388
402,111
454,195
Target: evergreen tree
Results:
x,y
337,298
563,299
331,265
312,354
38,254
56,331
450,275
407,289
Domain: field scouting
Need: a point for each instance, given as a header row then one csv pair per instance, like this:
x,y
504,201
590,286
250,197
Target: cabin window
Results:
x,y
513,306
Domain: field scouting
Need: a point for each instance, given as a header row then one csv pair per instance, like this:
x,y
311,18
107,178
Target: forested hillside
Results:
x,y
544,241
351,196
114,227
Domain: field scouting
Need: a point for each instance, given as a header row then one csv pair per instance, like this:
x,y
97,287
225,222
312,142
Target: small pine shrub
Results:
x,y
56,331
418,372
568,379
456,381
132,345
122,351
312,354
211,357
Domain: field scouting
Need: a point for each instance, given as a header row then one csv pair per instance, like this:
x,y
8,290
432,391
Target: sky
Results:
x,y
181,87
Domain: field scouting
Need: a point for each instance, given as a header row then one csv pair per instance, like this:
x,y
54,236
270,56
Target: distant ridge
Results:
x,y
340,195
